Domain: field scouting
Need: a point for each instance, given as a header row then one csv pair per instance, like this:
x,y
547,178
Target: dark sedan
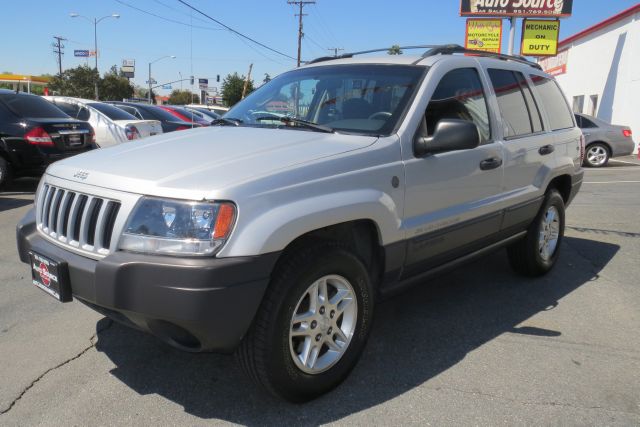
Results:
x,y
168,121
603,140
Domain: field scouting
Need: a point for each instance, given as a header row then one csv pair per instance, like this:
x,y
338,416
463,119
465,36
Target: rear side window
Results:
x,y
518,108
114,113
459,95
31,106
560,116
584,123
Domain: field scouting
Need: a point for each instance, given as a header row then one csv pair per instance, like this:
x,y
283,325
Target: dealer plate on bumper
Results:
x,y
50,276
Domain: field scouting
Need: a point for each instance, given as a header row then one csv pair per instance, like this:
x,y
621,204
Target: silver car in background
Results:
x,y
603,140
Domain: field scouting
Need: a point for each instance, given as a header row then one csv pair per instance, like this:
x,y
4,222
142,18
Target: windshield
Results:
x,y
114,113
363,98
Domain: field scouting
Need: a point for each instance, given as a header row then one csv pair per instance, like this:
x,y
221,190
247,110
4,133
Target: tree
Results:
x,y
114,87
232,88
182,97
395,50
78,82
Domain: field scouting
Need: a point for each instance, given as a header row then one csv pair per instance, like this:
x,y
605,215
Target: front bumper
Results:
x,y
195,304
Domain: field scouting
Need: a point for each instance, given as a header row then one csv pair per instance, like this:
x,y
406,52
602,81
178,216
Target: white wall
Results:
x,y
603,64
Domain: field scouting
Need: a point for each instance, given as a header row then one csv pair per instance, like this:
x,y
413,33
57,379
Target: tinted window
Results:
x,y
31,106
583,122
560,116
459,95
114,113
70,109
519,112
157,113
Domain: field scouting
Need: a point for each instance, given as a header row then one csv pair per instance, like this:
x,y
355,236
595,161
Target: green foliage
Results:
x,y
232,89
183,97
114,87
78,82
395,50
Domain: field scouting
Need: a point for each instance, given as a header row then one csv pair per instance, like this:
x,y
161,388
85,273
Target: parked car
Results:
x,y
204,114
604,140
218,109
275,235
168,121
186,115
112,125
34,134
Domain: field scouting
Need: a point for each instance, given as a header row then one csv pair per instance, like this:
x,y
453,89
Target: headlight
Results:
x,y
174,227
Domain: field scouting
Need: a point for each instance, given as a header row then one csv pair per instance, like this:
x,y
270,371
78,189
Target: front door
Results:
x,y
451,197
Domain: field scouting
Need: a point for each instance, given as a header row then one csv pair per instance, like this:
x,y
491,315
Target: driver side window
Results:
x,y
459,95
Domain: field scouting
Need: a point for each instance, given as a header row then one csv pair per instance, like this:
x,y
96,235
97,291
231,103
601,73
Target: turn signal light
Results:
x,y
224,221
38,136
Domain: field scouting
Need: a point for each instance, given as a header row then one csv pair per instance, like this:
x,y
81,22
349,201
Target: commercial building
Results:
x,y
599,69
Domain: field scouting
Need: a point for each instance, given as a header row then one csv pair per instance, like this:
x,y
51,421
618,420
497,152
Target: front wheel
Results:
x,y
537,253
312,325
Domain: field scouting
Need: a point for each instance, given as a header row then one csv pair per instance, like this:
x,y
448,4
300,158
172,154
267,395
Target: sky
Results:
x,y
150,29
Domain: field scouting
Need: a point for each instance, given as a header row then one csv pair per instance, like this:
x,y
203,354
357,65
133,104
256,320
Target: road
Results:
x,y
477,346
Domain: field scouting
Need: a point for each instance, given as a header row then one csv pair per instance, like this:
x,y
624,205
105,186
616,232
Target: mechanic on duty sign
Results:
x,y
539,37
484,34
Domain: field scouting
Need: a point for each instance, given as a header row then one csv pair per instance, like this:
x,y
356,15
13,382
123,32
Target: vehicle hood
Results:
x,y
196,163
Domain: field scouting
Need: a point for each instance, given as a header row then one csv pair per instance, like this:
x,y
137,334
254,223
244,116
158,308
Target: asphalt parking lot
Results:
x,y
479,346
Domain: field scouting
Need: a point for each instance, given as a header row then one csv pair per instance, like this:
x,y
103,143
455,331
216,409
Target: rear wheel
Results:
x,y
5,173
597,155
312,325
537,253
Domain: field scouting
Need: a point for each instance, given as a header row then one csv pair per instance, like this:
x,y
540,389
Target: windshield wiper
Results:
x,y
304,123
226,121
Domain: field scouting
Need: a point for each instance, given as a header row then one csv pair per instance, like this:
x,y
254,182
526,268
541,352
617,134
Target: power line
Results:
x,y
167,19
301,4
57,49
235,31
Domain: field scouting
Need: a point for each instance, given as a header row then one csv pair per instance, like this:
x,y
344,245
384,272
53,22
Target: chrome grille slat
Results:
x,y
68,216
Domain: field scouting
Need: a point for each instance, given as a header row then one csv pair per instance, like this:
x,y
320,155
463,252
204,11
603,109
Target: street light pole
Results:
x,y
149,81
95,21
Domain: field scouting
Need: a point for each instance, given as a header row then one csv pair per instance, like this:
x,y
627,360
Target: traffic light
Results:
x,y
191,80
218,78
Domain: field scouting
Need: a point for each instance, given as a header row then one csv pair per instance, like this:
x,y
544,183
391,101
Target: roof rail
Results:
x,y
441,49
352,54
450,49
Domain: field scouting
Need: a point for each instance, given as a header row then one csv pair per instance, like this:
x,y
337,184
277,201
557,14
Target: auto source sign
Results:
x,y
541,8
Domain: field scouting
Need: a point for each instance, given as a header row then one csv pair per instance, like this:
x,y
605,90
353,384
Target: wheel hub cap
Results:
x,y
323,324
596,155
549,233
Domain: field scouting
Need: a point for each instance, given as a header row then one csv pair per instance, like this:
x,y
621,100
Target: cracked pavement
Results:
x,y
477,346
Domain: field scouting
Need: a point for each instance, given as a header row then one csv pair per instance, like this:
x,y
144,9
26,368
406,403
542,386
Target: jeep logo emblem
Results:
x,y
81,175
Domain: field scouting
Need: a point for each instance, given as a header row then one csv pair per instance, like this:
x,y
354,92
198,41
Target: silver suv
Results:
x,y
275,232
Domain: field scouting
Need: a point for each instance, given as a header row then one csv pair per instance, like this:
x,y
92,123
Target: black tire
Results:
x,y
525,256
603,149
5,173
265,354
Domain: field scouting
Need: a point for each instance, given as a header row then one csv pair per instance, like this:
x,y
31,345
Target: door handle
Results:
x,y
546,149
490,163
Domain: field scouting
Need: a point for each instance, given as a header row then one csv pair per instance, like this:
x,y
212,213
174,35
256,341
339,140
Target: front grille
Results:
x,y
80,220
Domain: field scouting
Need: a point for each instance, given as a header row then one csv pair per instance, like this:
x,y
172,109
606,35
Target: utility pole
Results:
x,y
246,82
57,49
335,50
301,4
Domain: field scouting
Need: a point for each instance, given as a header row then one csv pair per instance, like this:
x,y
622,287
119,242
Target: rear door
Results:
x,y
450,203
528,148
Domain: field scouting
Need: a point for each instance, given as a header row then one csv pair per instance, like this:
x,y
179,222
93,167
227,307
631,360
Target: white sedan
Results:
x,y
111,124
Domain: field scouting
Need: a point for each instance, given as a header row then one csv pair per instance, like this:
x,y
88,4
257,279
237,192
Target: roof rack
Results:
x,y
386,49
446,49
450,49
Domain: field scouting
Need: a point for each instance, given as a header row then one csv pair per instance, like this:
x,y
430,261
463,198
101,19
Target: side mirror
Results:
x,y
450,135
